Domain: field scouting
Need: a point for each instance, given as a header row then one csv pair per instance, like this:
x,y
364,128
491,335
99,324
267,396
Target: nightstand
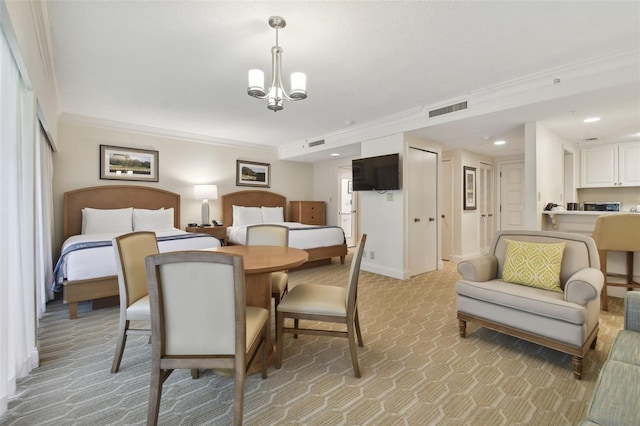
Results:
x,y
219,232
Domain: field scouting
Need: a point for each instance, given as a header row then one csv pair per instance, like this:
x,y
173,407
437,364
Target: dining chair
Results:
x,y
199,321
272,235
617,232
130,252
326,303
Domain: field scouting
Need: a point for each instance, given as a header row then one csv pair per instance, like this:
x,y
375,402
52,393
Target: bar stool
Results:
x,y
617,232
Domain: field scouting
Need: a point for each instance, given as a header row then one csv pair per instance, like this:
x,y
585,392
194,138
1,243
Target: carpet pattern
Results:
x,y
416,370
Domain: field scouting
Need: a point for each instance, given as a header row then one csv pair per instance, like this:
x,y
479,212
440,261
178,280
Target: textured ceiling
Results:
x,y
181,66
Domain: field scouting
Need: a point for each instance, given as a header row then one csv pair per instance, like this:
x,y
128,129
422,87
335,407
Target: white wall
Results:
x,y
381,216
182,164
549,171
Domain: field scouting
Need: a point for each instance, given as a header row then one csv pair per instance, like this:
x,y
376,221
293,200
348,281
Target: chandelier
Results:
x,y
276,94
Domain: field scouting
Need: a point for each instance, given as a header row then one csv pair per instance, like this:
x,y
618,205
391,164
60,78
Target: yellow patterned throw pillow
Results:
x,y
533,264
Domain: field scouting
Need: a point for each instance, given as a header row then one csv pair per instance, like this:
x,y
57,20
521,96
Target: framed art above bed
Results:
x,y
120,163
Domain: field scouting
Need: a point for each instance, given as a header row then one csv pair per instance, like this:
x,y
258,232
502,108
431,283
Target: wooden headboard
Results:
x,y
250,199
115,197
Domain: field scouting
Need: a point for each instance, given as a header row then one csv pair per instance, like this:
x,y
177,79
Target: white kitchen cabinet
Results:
x,y
613,165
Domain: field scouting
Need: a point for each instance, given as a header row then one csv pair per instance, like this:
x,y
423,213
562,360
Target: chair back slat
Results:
x,y
131,250
198,308
268,235
354,273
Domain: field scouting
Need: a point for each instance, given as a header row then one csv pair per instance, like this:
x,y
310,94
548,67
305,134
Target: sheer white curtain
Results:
x,y
44,221
18,353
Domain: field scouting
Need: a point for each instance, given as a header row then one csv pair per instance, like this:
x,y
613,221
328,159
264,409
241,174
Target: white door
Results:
x,y
446,208
347,217
485,206
422,199
512,196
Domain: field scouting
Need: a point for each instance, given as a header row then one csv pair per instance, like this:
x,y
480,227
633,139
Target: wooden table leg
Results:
x,y
258,293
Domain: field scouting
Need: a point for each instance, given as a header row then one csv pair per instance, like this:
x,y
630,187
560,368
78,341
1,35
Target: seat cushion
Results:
x,y
256,318
315,299
279,281
139,310
615,397
626,348
528,299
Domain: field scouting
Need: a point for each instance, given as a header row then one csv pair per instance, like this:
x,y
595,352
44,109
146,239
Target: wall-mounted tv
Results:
x,y
376,173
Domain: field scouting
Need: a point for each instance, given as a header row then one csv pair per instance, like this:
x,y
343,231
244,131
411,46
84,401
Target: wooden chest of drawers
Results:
x,y
307,212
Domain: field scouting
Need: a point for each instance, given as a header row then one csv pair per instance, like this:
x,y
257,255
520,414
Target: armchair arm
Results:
x,y
479,269
632,311
583,286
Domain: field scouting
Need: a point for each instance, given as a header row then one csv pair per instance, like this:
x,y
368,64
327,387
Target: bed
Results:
x,y
79,278
333,245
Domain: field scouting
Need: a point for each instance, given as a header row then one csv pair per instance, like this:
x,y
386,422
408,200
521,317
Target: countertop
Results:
x,y
583,213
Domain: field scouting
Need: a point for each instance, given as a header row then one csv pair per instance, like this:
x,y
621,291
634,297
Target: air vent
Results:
x,y
316,143
448,109
592,139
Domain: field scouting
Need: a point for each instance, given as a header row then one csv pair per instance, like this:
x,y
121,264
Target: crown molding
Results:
x,y
86,121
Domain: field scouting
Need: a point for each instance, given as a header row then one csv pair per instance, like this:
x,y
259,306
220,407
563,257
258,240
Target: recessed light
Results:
x,y
499,142
335,154
592,119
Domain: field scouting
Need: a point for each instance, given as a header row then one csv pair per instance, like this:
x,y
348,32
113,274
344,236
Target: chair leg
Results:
x,y
155,393
352,348
279,337
357,321
296,324
122,341
462,328
238,405
264,352
576,364
603,267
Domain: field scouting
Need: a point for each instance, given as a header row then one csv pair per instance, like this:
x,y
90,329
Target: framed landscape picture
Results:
x,y
249,173
120,163
469,194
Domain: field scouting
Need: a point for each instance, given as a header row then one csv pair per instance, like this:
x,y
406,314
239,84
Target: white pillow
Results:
x,y
272,214
100,221
152,220
246,215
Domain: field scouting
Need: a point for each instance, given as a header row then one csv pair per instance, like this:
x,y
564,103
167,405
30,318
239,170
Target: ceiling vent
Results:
x,y
316,143
592,139
448,109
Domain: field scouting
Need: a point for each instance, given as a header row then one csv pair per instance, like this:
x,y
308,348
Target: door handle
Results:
x,y
431,219
490,215
482,215
442,216
416,219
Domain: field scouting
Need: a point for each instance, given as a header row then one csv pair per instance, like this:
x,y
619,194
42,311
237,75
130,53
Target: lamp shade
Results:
x,y
205,192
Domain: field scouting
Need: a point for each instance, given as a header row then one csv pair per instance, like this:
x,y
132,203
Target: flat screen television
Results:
x,y
379,173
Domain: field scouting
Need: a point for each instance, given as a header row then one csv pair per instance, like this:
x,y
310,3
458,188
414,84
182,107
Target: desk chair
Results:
x,y
130,251
617,232
199,320
326,303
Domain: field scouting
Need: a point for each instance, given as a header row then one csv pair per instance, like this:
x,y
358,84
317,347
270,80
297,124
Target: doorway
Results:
x,y
446,209
485,207
512,196
347,213
422,196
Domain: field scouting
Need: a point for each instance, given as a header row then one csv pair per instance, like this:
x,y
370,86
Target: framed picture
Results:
x,y
249,173
120,163
469,193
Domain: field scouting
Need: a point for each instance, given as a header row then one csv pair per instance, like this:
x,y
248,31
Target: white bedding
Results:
x,y
100,261
300,236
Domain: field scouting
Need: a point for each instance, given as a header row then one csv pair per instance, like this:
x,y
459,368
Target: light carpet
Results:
x,y
416,370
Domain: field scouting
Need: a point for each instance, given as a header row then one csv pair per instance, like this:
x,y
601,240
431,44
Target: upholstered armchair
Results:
x,y
563,316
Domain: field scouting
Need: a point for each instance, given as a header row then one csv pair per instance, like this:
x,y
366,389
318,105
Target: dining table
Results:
x,y
259,263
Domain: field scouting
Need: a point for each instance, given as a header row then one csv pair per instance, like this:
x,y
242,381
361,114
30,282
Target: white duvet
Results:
x,y
300,236
100,261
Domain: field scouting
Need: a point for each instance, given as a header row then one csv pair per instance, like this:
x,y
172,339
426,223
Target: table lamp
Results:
x,y
205,193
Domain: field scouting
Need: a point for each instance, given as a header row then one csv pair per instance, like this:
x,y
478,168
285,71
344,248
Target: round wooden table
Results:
x,y
259,262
